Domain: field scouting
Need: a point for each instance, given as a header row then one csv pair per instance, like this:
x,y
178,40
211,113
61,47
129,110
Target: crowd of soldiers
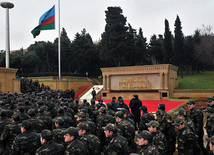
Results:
x,y
46,123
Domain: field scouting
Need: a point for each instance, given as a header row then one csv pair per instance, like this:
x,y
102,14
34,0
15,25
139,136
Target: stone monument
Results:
x,y
150,82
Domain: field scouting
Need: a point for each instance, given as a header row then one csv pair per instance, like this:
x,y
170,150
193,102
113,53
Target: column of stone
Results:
x,y
166,82
104,82
108,83
161,80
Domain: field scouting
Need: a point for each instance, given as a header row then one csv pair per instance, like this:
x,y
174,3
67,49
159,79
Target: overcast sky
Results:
x,y
90,14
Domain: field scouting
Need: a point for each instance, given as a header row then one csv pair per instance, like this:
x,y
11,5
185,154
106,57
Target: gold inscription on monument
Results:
x,y
134,83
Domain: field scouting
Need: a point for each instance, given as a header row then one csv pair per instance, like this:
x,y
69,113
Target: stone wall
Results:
x,y
67,82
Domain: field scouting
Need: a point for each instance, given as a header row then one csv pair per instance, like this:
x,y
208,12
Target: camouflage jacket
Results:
x,y
58,135
146,118
186,141
126,130
92,143
51,148
75,148
159,141
102,121
37,124
8,135
26,143
210,126
149,149
168,130
189,123
197,117
117,146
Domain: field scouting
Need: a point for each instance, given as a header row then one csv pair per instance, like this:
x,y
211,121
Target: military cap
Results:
x,y
3,113
178,121
42,109
47,134
208,109
143,107
191,102
15,116
125,111
83,126
59,120
113,97
153,123
26,124
81,114
40,102
72,131
31,112
159,114
1,102
110,127
119,114
102,109
181,111
210,140
146,135
161,106
210,99
100,100
60,110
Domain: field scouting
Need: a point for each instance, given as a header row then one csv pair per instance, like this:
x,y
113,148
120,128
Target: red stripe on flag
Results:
x,y
48,20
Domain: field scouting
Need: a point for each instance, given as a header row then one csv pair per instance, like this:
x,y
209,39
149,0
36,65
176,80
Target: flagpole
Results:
x,y
59,42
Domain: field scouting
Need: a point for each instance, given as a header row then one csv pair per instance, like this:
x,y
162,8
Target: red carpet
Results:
x,y
152,105
80,92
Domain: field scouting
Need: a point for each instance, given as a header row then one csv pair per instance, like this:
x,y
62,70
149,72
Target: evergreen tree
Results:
x,y
179,45
114,38
86,56
168,51
156,49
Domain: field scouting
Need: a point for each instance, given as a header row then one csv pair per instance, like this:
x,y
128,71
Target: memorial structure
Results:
x,y
8,81
150,82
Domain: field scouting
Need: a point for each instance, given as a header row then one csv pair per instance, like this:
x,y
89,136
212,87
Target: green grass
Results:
x,y
203,80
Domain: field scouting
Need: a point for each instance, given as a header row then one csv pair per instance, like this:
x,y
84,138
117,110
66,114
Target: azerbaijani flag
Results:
x,y
46,22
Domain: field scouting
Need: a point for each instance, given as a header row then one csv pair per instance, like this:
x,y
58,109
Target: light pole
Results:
x,y
7,6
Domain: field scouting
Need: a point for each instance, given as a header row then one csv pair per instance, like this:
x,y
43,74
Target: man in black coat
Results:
x,y
135,105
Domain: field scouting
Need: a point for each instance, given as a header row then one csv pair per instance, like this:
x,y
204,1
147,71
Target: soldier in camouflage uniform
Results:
x,y
186,138
42,115
9,133
48,146
166,127
196,116
209,124
211,102
37,125
27,142
4,120
102,120
125,129
81,117
211,145
91,141
145,118
161,106
145,141
126,112
210,121
109,110
159,139
75,146
117,145
58,132
188,122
